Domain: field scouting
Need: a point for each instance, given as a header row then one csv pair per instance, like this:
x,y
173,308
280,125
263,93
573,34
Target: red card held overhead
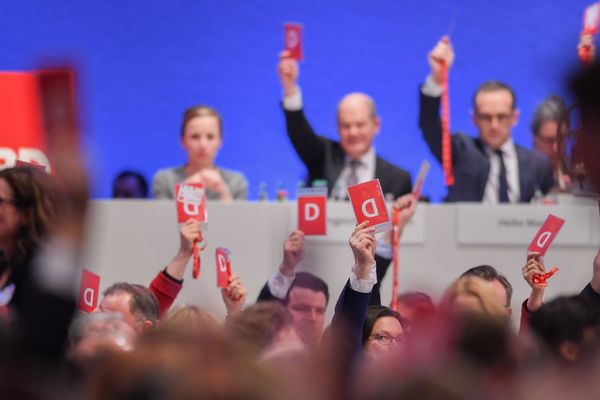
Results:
x,y
543,239
88,291
223,266
191,202
369,205
312,215
293,40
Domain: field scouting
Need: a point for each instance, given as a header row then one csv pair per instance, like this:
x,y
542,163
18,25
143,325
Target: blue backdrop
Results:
x,y
141,63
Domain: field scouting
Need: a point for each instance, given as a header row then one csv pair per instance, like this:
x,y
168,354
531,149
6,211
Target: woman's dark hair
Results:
x,y
39,201
373,314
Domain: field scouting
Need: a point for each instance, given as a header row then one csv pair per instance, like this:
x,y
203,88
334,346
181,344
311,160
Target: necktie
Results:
x,y
503,183
352,178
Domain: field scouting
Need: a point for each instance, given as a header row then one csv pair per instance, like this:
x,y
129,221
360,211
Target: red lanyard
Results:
x,y
395,240
446,139
197,250
541,279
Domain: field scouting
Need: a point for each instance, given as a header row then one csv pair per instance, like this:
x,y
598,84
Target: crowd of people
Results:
x,y
138,344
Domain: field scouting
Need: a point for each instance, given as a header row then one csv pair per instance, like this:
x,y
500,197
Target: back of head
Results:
x,y
192,318
309,281
564,319
257,327
143,305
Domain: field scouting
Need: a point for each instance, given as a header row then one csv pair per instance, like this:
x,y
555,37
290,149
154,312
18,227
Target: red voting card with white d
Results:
x,y
223,266
293,40
312,218
369,205
88,291
191,202
543,239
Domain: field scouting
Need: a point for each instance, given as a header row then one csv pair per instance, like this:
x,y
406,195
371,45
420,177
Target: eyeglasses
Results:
x,y
387,339
489,118
6,201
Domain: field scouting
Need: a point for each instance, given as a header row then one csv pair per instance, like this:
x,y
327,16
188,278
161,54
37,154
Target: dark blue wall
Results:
x,y
143,62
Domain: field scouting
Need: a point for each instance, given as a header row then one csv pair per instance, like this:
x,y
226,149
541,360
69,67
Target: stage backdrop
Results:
x,y
142,63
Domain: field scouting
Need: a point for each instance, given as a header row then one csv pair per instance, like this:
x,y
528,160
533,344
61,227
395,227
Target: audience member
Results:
x,y
502,287
136,303
305,295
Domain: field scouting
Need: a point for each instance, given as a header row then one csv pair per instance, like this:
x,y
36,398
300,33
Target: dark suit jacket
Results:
x,y
324,158
471,164
382,265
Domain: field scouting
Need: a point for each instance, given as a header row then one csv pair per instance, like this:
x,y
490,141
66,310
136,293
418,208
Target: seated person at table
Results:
x,y
547,120
489,168
201,137
345,163
130,185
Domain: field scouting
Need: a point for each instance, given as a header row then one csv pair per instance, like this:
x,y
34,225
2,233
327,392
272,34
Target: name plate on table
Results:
x,y
341,221
517,224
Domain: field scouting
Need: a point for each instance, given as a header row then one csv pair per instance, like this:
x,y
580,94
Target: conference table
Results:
x,y
131,240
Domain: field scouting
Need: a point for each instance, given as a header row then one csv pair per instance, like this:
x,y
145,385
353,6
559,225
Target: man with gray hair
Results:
x,y
136,303
549,119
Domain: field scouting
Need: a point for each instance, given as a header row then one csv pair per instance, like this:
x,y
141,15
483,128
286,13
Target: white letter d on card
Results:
x,y
374,211
311,212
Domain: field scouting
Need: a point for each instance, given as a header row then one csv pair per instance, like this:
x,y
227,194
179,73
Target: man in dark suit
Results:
x,y
350,161
490,168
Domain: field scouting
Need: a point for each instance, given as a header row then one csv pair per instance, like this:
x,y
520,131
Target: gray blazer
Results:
x,y
163,183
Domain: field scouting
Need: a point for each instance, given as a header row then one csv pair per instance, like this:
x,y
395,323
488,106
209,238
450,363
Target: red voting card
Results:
x,y
89,291
223,266
21,163
591,19
312,218
420,179
369,205
543,239
22,133
191,202
293,40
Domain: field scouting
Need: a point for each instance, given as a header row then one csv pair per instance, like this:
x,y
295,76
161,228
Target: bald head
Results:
x,y
357,100
358,123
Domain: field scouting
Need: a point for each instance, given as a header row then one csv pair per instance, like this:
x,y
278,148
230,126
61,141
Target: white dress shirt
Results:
x,y
511,162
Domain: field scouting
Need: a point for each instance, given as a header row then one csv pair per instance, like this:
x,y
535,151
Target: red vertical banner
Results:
x,y
22,135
